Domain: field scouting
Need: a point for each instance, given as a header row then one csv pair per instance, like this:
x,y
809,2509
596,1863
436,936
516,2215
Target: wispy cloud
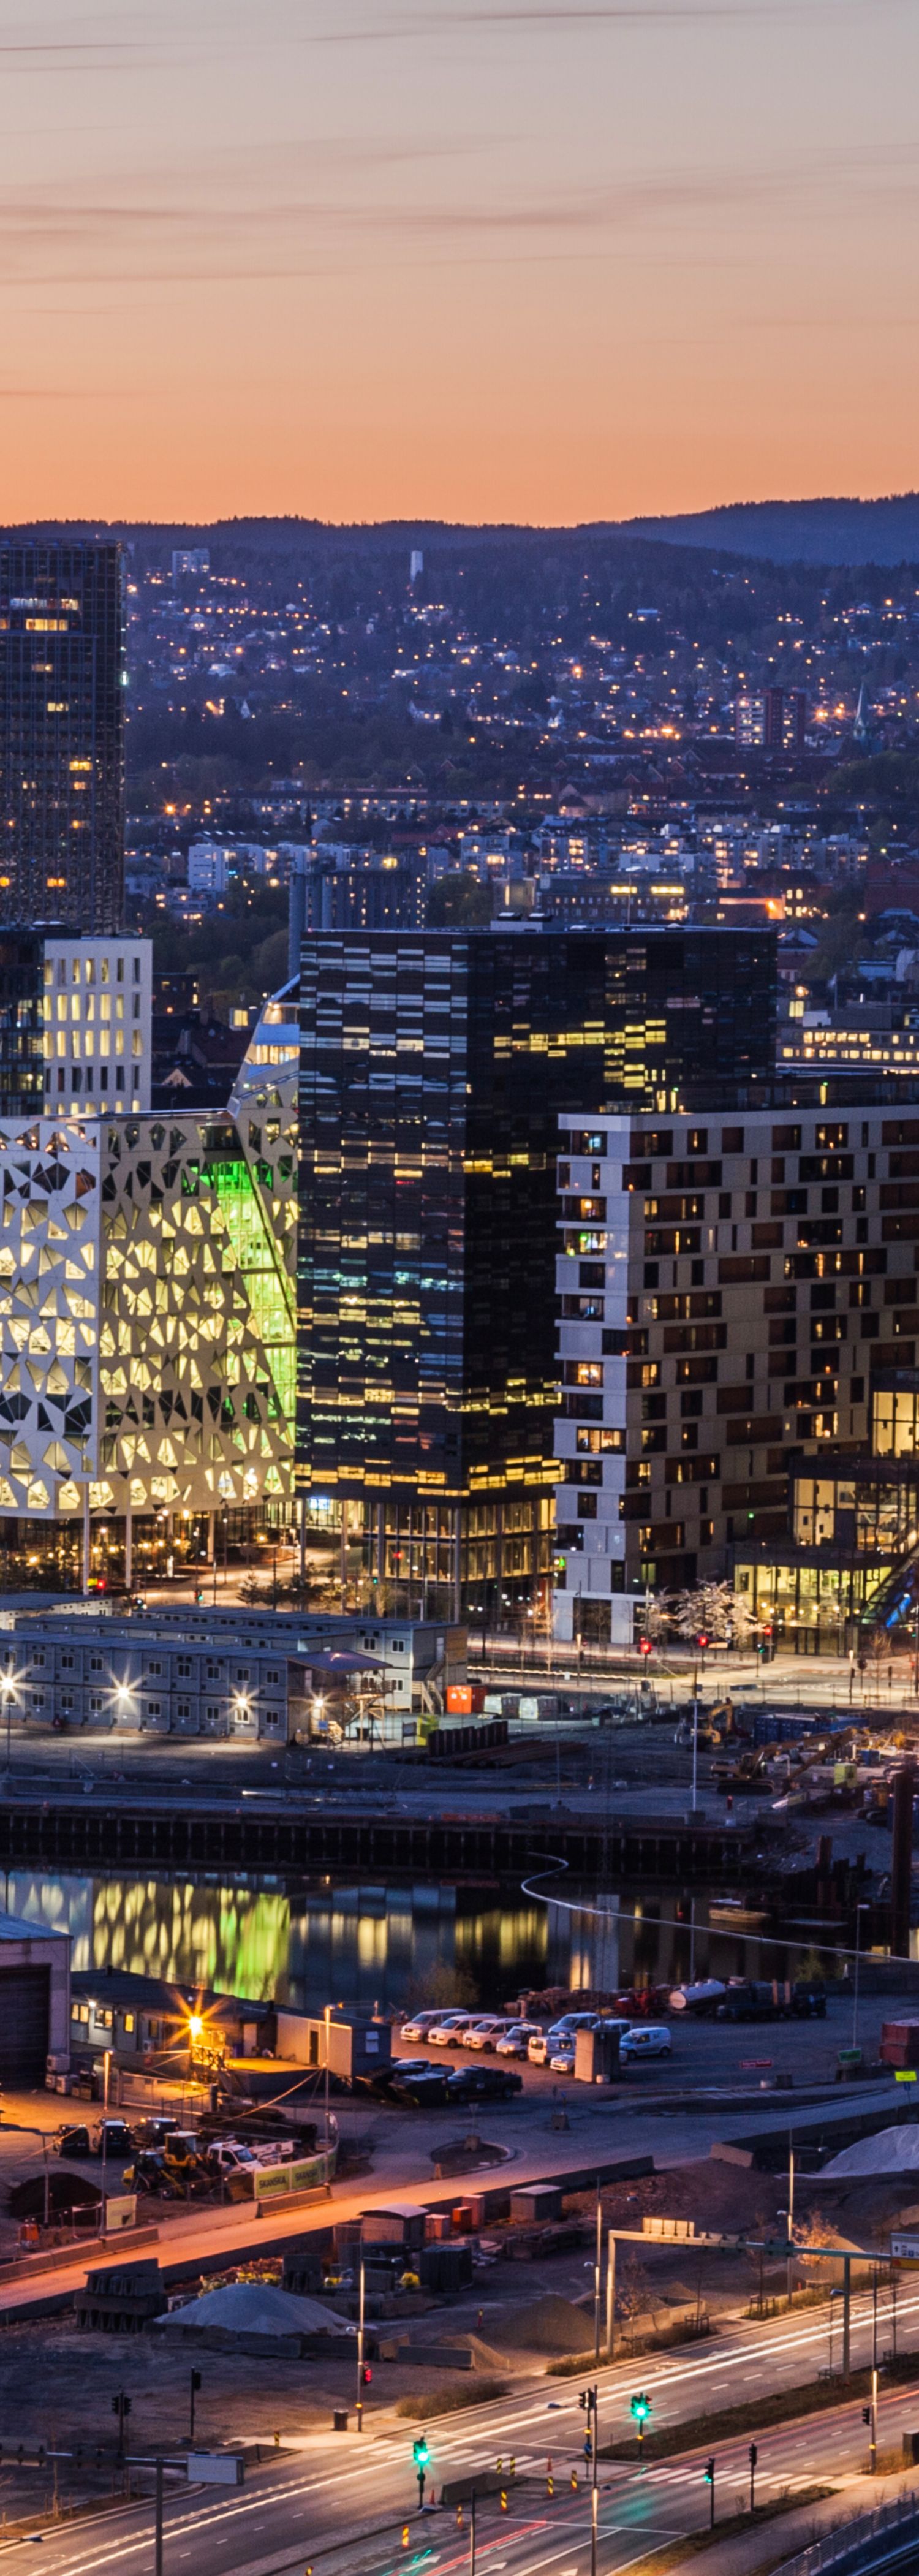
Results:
x,y
307,216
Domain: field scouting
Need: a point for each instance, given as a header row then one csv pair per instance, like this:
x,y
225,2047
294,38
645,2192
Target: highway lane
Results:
x,y
341,2499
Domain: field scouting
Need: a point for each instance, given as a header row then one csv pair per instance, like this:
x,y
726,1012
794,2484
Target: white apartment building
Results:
x,y
98,1025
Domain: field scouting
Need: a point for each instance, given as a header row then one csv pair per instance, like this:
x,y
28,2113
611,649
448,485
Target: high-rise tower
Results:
x,y
61,734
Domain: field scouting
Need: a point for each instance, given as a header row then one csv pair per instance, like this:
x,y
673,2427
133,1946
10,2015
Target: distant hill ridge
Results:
x,y
812,532
821,532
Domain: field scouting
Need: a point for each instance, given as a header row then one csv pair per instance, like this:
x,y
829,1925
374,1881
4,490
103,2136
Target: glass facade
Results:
x,y
61,735
433,1072
22,975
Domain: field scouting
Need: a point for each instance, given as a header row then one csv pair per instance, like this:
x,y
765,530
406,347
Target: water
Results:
x,y
355,1943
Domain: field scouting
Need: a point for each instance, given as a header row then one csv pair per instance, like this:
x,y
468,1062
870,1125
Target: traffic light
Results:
x,y
703,1641
366,2375
641,2409
420,2452
709,2473
754,2455
645,1646
866,2414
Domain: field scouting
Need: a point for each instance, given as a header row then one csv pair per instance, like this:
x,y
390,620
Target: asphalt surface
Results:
x,y
344,2501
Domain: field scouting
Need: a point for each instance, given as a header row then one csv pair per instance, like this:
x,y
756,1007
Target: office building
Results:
x,y
251,1673
97,1024
737,1299
61,734
22,1022
434,1071
147,1323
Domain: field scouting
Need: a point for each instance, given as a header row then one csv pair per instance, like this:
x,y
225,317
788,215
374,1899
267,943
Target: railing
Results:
x,y
865,2543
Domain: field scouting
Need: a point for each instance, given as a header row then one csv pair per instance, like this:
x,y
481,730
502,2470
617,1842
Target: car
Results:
x,y
652,2041
155,2131
538,2048
515,2040
429,2088
446,2032
485,2031
562,2060
116,2137
73,2141
482,2083
419,2025
228,2155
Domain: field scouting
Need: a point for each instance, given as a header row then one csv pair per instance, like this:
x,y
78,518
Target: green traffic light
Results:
x,y
420,2453
641,2408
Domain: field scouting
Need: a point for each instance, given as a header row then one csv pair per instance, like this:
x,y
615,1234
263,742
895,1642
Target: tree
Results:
x,y
657,1614
705,1612
744,1623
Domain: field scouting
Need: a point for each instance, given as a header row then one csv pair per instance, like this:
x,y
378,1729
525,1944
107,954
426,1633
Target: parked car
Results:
x,y
515,2040
559,2035
653,2041
562,2059
420,2089
228,2155
482,2083
118,2138
419,2025
485,2031
446,2032
72,2141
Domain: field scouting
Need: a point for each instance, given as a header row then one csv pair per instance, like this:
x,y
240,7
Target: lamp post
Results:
x,y
859,1911
328,2018
8,1688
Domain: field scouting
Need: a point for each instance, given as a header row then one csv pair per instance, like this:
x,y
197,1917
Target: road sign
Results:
x,y
905,2249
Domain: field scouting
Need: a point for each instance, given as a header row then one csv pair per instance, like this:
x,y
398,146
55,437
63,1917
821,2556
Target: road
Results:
x,y
342,2501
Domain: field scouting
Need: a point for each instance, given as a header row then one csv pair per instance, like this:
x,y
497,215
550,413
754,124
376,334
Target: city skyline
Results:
x,y
569,261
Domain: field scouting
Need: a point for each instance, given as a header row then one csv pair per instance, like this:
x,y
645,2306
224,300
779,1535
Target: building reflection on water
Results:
x,y
360,1944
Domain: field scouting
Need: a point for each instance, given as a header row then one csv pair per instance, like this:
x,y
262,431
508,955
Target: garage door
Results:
x,y
23,2024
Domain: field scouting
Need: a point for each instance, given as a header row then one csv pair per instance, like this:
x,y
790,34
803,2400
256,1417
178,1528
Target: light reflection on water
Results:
x,y
366,1943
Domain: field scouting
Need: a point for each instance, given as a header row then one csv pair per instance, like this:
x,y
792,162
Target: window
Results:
x,y
155,1666
95,1663
183,1708
39,1661
212,1713
66,1663
153,1707
183,1668
129,2025
273,1679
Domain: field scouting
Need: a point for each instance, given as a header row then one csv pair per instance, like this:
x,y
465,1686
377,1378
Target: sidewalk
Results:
x,y
769,2545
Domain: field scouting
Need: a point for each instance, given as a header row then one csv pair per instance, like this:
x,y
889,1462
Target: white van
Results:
x,y
653,2040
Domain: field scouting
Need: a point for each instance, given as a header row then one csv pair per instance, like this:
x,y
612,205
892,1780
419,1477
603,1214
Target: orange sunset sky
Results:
x,y
373,258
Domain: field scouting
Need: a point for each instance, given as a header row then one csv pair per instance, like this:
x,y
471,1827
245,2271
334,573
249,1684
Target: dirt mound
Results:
x,y
544,2325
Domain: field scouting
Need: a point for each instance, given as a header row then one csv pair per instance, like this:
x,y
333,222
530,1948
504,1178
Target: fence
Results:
x,y
867,2542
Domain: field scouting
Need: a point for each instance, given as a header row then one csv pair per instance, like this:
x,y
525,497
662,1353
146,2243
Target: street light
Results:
x,y
859,1911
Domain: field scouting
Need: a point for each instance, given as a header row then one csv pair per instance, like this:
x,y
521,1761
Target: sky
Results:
x,y
530,260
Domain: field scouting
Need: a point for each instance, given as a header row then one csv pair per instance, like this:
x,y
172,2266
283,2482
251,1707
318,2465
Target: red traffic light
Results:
x,y
703,1641
645,1646
366,2375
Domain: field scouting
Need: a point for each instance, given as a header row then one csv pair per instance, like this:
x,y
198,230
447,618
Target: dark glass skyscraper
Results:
x,y
433,1071
61,734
